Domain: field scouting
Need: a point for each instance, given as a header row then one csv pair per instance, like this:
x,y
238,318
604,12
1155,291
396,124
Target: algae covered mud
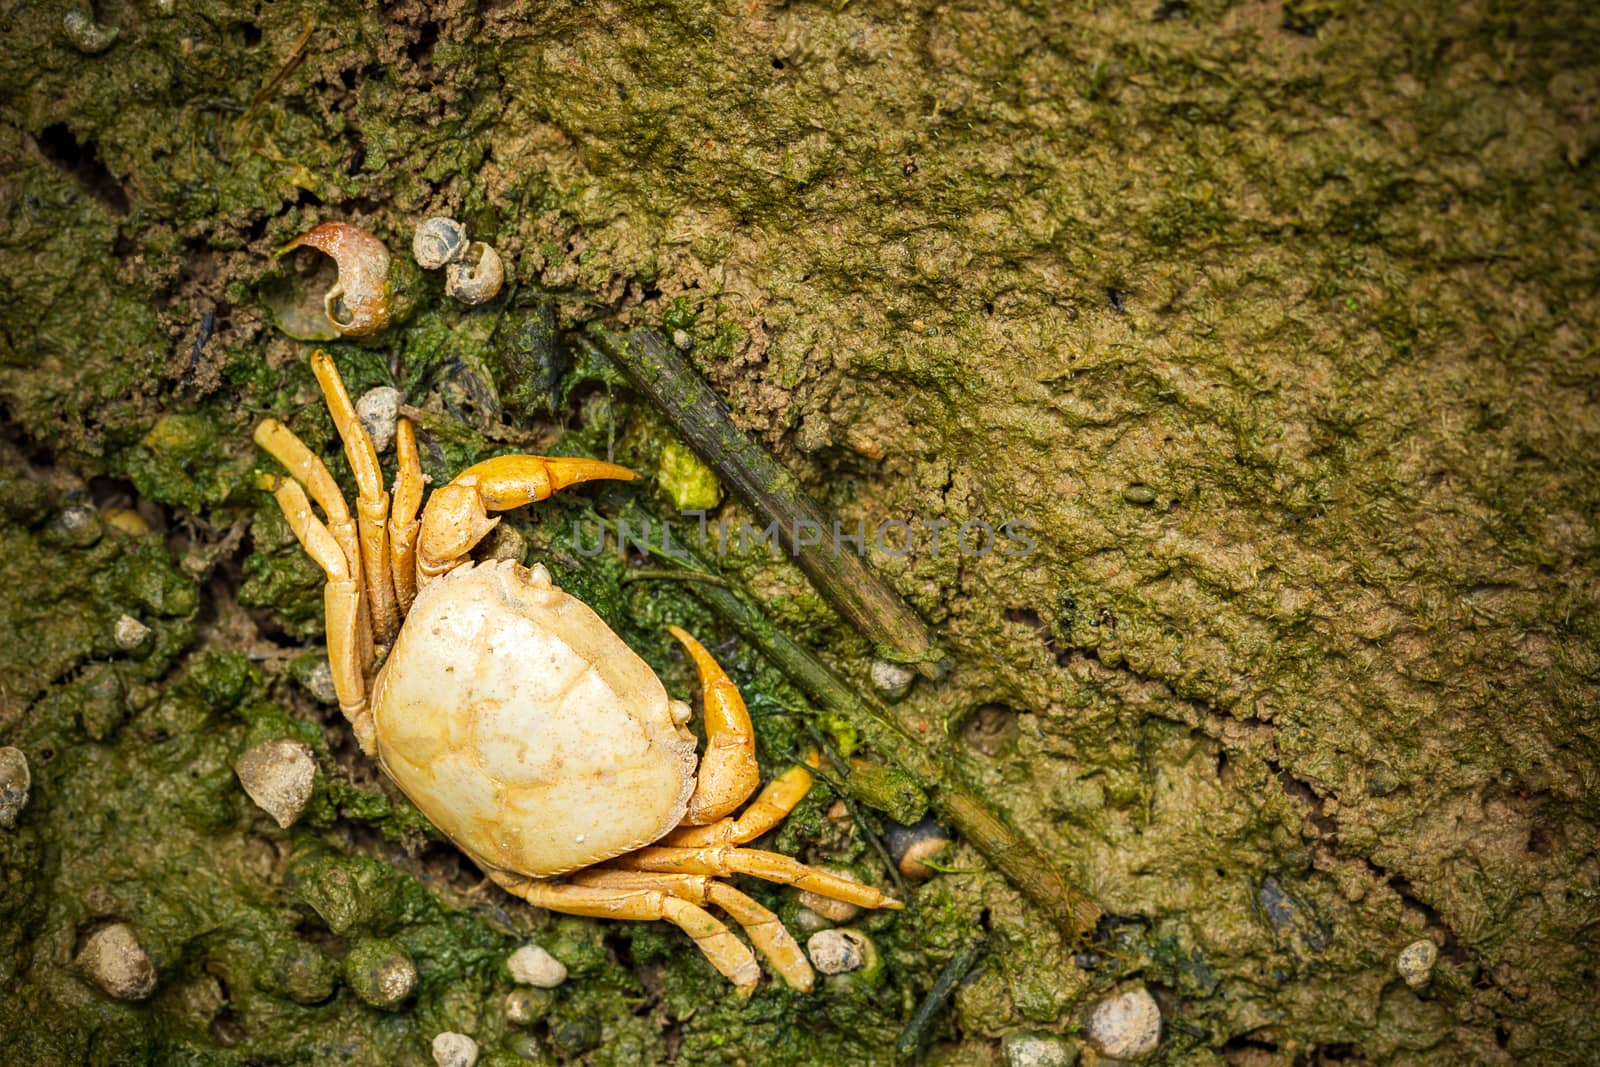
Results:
x,y
1276,322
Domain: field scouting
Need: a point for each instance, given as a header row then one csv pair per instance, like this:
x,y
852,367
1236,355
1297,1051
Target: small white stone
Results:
x,y
118,964
532,965
129,633
1126,1026
682,340
454,1050
1023,1049
891,680
319,683
279,776
1415,962
837,951
379,409
15,782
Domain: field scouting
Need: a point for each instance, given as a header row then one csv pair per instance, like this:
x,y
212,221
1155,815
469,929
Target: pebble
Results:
x,y
118,964
14,784
524,1007
318,681
837,951
1415,962
279,776
1021,1048
682,340
532,965
891,680
911,845
381,974
454,1050
379,410
76,527
1126,1026
130,634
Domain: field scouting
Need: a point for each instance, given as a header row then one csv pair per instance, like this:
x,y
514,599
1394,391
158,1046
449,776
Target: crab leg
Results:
x,y
769,808
728,772
372,503
457,515
727,953
403,523
307,468
771,866
764,929
341,599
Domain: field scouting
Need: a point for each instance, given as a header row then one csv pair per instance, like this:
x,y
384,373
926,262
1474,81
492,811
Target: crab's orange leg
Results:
x,y
372,503
771,866
342,602
281,443
764,929
728,771
774,802
403,523
457,515
727,953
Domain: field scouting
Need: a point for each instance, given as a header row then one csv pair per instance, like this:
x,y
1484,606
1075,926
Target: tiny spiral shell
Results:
x,y
476,276
358,303
438,241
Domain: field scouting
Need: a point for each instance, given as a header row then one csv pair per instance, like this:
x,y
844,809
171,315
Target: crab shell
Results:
x,y
525,729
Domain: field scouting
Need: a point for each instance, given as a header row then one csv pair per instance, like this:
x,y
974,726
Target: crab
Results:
x,y
519,723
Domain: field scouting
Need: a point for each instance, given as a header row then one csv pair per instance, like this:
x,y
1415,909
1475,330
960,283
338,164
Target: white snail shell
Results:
x,y
438,241
476,276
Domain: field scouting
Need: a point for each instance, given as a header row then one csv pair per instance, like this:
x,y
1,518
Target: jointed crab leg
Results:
x,y
764,929
727,953
766,811
403,523
457,515
341,599
308,469
372,503
771,866
728,771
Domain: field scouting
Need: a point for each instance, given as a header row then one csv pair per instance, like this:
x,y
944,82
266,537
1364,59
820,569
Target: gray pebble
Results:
x,y
454,1050
1126,1026
837,951
115,961
532,965
1024,1049
892,680
279,776
379,410
1416,961
15,782
381,974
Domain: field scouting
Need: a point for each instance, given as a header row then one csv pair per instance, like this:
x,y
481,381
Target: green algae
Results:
x,y
1275,322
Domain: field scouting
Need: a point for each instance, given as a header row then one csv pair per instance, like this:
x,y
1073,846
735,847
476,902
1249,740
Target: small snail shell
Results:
x,y
438,241
475,277
358,303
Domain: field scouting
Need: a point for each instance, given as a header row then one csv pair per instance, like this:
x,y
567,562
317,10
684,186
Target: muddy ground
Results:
x,y
1274,323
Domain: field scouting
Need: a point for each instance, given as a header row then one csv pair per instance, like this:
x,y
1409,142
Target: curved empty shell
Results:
x,y
358,303
476,276
438,241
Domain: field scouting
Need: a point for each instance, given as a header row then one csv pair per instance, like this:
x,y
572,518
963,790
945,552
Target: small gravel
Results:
x,y
837,951
1416,961
1023,1049
1126,1026
115,961
454,1050
379,409
532,965
891,680
130,634
15,781
279,776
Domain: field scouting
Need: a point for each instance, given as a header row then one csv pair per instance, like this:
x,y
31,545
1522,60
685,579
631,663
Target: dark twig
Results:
x,y
660,372
909,1048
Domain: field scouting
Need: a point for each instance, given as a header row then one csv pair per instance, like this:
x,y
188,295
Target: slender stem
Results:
x,y
660,372
909,1048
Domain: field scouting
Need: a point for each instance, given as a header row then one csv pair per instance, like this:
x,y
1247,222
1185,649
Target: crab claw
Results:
x,y
358,302
457,515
